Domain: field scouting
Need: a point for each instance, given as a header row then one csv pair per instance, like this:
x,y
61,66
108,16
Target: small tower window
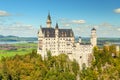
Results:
x,y
62,34
65,34
80,57
71,34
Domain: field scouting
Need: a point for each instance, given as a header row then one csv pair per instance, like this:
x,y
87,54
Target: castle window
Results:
x,y
62,34
65,34
80,57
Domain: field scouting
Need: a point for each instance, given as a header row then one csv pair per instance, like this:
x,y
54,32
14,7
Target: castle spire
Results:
x,y
56,26
49,22
49,17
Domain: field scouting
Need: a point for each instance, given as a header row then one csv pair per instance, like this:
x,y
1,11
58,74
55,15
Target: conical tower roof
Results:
x,y
93,29
49,17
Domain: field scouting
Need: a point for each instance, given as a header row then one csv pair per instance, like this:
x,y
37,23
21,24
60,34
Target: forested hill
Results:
x,y
16,38
31,67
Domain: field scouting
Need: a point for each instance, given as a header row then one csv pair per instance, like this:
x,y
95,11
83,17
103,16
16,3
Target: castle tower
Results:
x,y
80,40
93,37
49,22
40,37
40,42
56,39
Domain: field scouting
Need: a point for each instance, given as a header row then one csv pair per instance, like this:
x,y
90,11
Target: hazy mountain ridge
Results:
x,y
100,39
16,38
84,39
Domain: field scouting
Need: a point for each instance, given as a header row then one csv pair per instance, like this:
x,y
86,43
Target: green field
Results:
x,y
22,49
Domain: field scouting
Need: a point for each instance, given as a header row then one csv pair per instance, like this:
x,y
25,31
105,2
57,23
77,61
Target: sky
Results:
x,y
24,17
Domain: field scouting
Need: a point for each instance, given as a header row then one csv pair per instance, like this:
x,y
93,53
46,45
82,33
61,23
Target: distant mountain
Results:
x,y
100,41
1,36
16,38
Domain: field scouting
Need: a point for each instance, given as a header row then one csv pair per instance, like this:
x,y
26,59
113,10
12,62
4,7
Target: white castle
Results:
x,y
60,41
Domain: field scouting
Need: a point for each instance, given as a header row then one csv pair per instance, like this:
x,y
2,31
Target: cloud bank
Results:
x,y
117,10
78,21
118,29
4,13
18,29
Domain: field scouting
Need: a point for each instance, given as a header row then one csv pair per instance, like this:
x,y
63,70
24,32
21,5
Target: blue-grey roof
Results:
x,y
50,32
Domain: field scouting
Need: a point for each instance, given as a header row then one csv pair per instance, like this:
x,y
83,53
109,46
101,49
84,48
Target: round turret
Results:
x,y
93,29
80,40
93,37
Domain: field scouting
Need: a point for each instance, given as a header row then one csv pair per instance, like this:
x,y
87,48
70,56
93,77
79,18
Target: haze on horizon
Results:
x,y
24,17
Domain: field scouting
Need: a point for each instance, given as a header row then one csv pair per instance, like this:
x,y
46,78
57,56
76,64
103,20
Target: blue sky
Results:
x,y
23,17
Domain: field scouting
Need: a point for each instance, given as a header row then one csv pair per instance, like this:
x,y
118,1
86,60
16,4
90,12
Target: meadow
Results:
x,y
22,49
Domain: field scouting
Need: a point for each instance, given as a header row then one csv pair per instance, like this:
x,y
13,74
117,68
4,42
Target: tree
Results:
x,y
75,67
49,55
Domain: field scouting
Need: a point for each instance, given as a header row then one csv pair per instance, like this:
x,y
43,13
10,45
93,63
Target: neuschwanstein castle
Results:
x,y
60,41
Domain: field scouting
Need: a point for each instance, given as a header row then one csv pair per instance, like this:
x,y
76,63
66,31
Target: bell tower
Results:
x,y
93,37
49,22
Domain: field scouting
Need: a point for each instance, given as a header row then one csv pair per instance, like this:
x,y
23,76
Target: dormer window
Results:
x,y
65,34
62,34
71,34
47,33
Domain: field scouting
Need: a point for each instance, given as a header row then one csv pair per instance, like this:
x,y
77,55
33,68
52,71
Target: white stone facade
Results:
x,y
60,41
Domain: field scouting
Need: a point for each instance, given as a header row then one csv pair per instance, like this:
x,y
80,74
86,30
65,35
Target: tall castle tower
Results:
x,y
49,22
93,37
57,39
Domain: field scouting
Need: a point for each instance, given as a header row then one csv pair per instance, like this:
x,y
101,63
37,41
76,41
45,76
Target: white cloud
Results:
x,y
78,21
105,24
108,30
117,10
118,29
104,29
8,27
66,25
4,13
19,29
